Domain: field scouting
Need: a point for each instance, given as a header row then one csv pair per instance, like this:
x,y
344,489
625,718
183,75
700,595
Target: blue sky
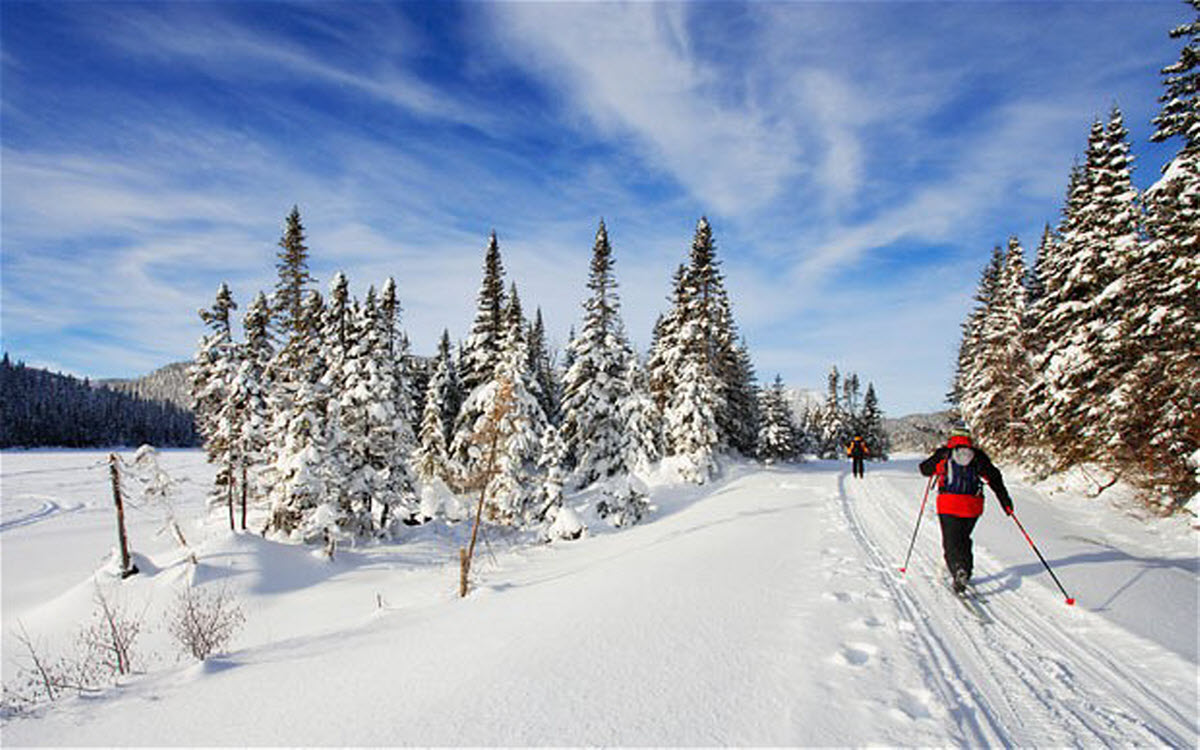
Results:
x,y
858,161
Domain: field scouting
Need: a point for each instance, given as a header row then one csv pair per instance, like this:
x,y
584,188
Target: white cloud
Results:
x,y
630,71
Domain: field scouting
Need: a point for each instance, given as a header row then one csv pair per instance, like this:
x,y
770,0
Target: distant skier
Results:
x,y
857,451
961,469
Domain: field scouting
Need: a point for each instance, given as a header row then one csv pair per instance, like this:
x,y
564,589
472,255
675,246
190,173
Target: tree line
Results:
x,y
1092,354
39,409
323,418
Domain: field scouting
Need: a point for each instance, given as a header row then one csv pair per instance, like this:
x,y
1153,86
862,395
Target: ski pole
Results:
x,y
918,526
1068,597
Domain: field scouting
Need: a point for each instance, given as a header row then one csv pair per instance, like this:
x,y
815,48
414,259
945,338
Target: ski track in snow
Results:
x,y
1027,678
48,509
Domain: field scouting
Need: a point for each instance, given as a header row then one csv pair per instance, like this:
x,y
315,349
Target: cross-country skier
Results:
x,y
961,469
857,450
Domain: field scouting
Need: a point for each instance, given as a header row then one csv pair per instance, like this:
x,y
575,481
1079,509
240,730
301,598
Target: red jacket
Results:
x,y
960,488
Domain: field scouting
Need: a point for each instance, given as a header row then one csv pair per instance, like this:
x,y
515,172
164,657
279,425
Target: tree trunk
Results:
x,y
229,498
244,491
127,566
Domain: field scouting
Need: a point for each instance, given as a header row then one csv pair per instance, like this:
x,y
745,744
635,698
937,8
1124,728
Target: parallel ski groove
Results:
x,y
1057,706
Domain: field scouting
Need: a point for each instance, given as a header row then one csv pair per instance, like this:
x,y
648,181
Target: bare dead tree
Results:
x,y
127,567
489,434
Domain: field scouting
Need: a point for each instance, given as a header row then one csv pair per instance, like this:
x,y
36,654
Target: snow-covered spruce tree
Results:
x,y
432,454
642,420
541,363
1156,406
776,433
452,395
743,402
596,386
1082,293
710,305
479,357
299,436
292,287
665,353
481,352
249,395
408,389
873,432
552,466
690,427
834,420
971,342
213,373
1000,372
339,335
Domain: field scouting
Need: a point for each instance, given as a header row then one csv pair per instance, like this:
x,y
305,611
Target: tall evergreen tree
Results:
x,y
213,374
481,352
300,451
542,365
777,433
249,396
596,386
294,277
642,420
873,431
1155,425
480,357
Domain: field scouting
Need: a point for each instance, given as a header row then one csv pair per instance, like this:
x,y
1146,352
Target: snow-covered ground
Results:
x,y
766,608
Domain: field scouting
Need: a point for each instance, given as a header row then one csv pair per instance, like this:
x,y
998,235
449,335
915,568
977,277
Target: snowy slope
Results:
x,y
764,609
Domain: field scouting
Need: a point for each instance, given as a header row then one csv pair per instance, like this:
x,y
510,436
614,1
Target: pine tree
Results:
x,y
690,424
1179,116
971,342
542,365
213,374
1154,407
873,432
481,353
596,385
480,357
552,466
665,352
432,455
250,396
407,392
777,433
301,459
834,420
291,289
642,420
1000,372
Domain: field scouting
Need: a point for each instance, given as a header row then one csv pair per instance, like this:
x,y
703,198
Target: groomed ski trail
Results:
x,y
1038,673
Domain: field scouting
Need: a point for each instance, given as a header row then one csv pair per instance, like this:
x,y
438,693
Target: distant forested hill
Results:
x,y
39,408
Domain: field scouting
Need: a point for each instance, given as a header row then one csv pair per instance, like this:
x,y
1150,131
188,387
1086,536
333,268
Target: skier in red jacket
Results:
x,y
961,469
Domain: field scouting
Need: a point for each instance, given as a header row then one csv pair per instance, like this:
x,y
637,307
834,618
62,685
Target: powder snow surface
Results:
x,y
765,608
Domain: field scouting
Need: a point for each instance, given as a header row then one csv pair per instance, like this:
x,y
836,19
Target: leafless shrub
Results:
x,y
202,623
108,640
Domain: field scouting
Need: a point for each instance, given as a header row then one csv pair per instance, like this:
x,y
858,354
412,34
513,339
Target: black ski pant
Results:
x,y
956,542
858,465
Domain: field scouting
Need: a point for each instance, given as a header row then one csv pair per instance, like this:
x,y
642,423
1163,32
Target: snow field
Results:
x,y
765,608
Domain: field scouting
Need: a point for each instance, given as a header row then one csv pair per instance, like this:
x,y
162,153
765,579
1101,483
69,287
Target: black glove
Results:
x,y
1006,503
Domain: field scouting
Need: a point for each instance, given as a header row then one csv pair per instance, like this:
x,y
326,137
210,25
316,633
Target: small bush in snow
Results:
x,y
567,525
104,652
203,623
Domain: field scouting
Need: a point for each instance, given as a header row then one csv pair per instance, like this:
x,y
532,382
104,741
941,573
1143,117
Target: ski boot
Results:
x,y
959,584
